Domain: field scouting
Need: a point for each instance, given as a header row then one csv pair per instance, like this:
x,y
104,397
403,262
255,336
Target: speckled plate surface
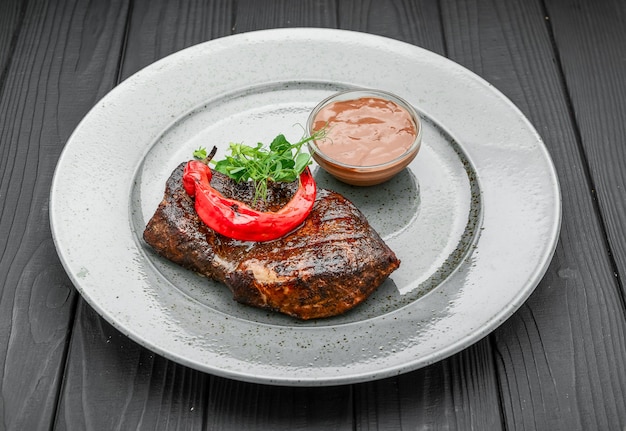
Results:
x,y
474,219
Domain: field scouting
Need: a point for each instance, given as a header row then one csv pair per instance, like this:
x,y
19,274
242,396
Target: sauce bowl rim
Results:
x,y
360,93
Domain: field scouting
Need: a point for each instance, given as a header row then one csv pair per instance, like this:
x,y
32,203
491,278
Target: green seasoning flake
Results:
x,y
200,153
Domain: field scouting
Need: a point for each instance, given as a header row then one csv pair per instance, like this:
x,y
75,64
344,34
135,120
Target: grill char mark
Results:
x,y
333,262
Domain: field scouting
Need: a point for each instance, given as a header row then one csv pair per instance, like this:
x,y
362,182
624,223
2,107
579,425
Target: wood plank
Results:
x,y
415,22
461,391
263,14
245,406
10,22
151,392
113,383
64,59
161,28
591,39
562,357
457,393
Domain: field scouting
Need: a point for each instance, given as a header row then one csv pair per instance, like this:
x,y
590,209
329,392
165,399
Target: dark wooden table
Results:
x,y
559,363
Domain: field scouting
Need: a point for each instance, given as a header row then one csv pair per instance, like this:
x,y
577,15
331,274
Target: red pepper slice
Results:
x,y
237,220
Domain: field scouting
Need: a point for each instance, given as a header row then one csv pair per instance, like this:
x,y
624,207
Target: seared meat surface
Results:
x,y
333,262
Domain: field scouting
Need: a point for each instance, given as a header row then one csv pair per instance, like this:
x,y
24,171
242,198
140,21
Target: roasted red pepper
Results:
x,y
237,220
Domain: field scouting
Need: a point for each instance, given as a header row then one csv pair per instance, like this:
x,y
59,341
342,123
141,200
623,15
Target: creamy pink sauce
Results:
x,y
366,131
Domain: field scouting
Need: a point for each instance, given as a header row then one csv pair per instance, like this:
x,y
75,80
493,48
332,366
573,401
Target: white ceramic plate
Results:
x,y
474,219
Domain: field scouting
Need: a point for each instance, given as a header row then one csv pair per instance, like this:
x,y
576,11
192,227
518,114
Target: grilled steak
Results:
x,y
333,262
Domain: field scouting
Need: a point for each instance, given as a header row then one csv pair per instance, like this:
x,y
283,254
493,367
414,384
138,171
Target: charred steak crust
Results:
x,y
333,262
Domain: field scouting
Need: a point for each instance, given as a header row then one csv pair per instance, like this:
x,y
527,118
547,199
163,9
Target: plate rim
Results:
x,y
312,35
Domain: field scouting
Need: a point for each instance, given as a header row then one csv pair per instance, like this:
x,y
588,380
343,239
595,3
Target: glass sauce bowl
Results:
x,y
370,135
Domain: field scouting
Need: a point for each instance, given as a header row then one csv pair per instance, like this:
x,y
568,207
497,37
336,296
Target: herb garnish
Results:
x,y
260,164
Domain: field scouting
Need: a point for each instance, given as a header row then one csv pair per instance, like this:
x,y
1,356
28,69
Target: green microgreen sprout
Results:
x,y
282,161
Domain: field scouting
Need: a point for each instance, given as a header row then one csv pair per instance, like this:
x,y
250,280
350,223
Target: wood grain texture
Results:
x,y
562,356
150,391
11,16
186,399
113,383
558,364
458,393
48,87
591,40
415,22
263,14
447,394
160,28
246,406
